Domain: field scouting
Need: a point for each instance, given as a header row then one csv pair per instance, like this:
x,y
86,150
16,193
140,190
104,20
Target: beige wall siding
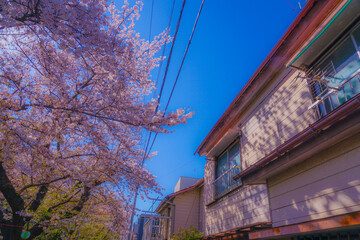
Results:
x,y
165,224
325,185
278,118
187,210
246,205
202,211
208,179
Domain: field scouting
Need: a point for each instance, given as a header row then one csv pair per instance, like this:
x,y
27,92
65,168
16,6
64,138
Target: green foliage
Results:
x,y
51,235
188,234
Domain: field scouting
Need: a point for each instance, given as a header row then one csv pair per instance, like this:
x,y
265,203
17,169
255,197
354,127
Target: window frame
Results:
x,y
229,187
348,34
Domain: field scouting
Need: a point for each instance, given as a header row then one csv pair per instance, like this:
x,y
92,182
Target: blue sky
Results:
x,y
232,38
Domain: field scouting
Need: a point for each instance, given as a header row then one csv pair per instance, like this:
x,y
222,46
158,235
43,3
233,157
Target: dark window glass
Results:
x,y
340,69
226,170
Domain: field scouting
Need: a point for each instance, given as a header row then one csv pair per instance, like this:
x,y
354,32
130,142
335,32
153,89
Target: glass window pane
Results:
x,y
222,165
234,156
356,34
341,64
221,185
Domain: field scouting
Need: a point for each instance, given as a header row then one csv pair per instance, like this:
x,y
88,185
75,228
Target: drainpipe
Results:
x,y
322,123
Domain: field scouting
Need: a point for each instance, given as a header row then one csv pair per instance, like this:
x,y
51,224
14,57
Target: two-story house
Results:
x,y
283,161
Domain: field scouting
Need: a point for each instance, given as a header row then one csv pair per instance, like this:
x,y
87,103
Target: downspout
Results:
x,y
322,123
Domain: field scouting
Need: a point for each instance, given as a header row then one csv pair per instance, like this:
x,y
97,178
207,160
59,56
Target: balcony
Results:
x,y
225,182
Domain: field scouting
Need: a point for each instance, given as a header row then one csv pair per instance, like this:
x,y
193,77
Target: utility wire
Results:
x,y
177,77
164,48
170,54
151,18
161,90
158,76
181,65
291,6
187,48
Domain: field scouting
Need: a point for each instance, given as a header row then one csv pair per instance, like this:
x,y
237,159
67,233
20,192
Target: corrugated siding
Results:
x,y
202,211
325,185
187,210
209,177
247,205
277,119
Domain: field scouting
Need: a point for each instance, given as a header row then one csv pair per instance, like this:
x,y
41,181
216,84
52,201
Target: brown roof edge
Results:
x,y
173,195
242,229
224,123
346,220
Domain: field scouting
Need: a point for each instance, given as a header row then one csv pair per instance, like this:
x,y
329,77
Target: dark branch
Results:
x,y
83,199
42,184
39,197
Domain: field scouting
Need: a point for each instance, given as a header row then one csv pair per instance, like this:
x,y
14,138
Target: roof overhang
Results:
x,y
330,30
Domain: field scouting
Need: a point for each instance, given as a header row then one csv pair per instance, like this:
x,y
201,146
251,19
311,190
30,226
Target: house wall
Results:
x,y
147,231
165,224
324,185
269,122
278,118
202,211
187,210
209,177
244,206
185,182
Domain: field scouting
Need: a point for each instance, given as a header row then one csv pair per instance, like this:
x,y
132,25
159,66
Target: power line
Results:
x,y
291,6
187,48
158,76
161,90
170,54
181,65
151,18
164,48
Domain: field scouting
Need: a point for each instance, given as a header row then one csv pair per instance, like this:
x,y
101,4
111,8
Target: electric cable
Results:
x,y
151,18
181,65
161,90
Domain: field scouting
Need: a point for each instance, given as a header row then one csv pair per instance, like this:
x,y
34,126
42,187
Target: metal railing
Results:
x,y
328,98
225,182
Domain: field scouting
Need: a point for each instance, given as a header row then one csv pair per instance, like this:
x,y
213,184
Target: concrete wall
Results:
x,y
185,182
244,206
325,185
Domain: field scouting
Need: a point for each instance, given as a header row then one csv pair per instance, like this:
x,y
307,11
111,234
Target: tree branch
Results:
x,y
41,184
40,195
83,199
63,202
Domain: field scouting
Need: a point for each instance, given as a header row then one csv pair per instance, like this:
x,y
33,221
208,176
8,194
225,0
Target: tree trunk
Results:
x,y
13,231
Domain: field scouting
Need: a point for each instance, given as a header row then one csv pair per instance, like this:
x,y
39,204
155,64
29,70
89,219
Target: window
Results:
x,y
155,228
156,222
338,74
228,165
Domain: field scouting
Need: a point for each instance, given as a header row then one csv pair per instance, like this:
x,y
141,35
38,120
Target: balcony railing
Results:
x,y
328,98
225,182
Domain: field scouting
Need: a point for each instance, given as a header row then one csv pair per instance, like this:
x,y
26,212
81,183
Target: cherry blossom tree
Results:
x,y
73,77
